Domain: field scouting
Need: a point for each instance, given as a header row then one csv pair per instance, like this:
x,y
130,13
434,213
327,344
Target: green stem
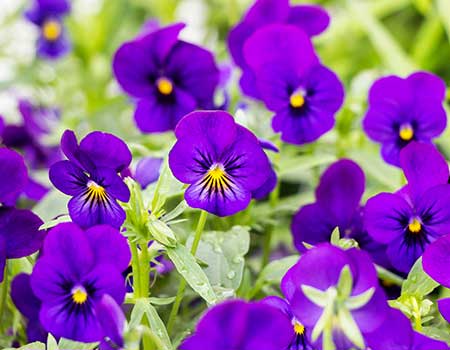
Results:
x,y
182,287
144,269
3,294
136,270
388,276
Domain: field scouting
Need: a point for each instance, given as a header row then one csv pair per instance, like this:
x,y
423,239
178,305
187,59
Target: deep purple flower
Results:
x,y
303,94
48,16
396,333
409,220
112,322
76,270
240,325
29,306
403,110
91,177
339,286
269,185
147,171
153,69
337,204
222,161
19,228
311,19
299,336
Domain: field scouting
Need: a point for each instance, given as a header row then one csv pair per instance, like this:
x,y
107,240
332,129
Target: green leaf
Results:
x,y
418,283
223,253
177,211
53,223
162,233
350,328
67,344
52,205
32,346
161,301
335,236
52,344
187,266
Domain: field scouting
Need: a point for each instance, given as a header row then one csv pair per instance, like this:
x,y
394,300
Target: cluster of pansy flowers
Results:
x,y
332,297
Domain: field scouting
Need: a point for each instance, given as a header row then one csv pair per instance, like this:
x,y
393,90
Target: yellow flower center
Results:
x,y
415,226
297,100
79,295
51,30
406,132
95,191
216,178
299,328
164,86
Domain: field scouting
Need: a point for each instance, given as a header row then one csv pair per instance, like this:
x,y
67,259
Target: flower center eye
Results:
x,y
297,100
406,132
96,191
164,86
415,226
51,30
216,179
79,295
299,329
216,172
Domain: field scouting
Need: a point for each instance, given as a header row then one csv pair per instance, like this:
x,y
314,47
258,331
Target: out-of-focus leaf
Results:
x,y
67,344
52,205
418,283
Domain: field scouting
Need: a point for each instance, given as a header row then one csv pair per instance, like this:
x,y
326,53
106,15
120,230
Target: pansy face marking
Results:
x,y
216,180
95,193
164,85
406,132
79,295
415,226
51,30
297,99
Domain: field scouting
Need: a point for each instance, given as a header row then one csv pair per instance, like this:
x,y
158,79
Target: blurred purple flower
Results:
x,y
76,270
409,220
147,171
311,19
91,177
337,204
405,110
48,15
303,94
222,161
241,325
153,69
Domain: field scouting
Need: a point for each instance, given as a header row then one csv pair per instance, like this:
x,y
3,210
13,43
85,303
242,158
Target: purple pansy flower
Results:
x,y
267,187
339,288
311,19
436,263
152,69
303,94
91,177
409,220
403,110
76,270
222,161
299,336
396,333
19,228
48,15
337,204
241,325
112,322
29,306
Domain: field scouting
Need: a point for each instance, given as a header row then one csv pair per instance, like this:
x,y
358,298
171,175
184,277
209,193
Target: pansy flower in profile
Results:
x,y
75,271
241,325
303,94
299,337
312,19
29,306
338,198
402,110
19,228
436,263
334,293
90,176
409,220
48,15
112,322
166,76
222,162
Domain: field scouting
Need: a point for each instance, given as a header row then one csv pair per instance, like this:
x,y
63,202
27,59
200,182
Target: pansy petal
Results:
x,y
444,308
68,177
2,258
248,84
433,207
107,280
112,319
20,230
402,255
422,342
424,167
267,187
436,260
106,150
13,175
427,86
53,49
340,190
88,212
386,216
110,246
23,297
147,171
370,316
310,18
112,183
391,90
